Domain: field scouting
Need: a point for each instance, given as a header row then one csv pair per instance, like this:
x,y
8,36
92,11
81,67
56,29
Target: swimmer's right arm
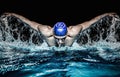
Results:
x,y
29,22
45,29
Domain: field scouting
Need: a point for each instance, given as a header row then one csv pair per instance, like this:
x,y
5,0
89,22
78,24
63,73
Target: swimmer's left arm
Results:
x,y
96,19
97,28
75,32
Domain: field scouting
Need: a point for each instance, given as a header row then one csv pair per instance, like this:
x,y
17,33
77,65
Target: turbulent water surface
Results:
x,y
24,53
23,61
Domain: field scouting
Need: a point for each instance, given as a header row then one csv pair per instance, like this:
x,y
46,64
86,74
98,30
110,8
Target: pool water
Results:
x,y
86,61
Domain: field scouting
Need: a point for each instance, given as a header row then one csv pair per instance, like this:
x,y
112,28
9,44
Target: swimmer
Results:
x,y
59,35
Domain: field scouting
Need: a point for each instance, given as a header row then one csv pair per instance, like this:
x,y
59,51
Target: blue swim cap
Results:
x,y
60,29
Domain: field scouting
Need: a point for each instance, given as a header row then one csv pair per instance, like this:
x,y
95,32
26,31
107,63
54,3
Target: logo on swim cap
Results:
x,y
60,29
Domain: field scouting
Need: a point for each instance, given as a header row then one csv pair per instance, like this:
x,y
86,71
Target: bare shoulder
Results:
x,y
74,30
45,30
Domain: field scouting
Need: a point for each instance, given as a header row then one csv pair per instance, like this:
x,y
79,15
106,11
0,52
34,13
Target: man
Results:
x,y
60,34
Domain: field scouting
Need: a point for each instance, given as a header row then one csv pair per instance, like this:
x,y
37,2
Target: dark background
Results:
x,y
69,11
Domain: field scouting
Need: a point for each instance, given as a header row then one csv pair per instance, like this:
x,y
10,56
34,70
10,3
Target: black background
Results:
x,y
51,11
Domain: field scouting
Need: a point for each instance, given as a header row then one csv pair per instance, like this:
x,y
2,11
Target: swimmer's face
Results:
x,y
60,41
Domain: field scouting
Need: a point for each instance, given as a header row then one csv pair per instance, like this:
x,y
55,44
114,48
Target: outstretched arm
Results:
x,y
102,27
94,20
29,22
20,22
97,24
39,27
